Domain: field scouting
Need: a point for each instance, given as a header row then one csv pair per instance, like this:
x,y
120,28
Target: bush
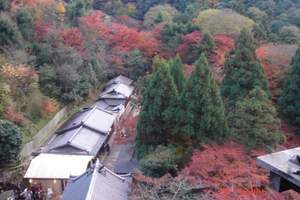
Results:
x,y
10,142
161,161
223,21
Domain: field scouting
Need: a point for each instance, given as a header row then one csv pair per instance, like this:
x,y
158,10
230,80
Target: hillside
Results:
x,y
216,85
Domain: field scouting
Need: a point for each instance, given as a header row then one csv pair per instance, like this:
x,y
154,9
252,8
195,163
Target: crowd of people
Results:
x,y
23,192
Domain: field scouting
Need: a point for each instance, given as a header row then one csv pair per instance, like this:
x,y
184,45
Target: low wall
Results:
x,y
43,134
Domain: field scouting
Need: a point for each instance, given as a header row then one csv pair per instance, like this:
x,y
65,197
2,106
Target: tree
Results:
x,y
24,19
243,71
76,9
290,34
202,105
156,119
4,4
254,121
207,44
8,31
176,70
10,142
289,100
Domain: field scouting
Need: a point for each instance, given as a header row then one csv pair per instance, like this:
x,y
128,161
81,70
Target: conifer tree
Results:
x,y
176,69
156,119
202,105
207,44
254,120
243,71
289,100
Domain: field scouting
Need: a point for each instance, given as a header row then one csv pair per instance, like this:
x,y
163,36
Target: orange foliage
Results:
x,y
233,172
225,165
49,107
275,60
120,37
73,38
20,73
11,115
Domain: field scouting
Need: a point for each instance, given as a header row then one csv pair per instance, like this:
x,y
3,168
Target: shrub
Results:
x,y
10,142
161,161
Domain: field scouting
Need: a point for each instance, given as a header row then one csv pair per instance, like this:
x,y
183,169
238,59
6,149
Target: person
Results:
x,y
27,194
49,193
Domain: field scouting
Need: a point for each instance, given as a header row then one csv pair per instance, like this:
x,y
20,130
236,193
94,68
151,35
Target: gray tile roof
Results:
x,y
85,133
117,91
98,183
119,79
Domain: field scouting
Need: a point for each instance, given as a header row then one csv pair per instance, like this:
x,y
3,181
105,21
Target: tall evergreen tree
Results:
x,y
254,120
156,119
176,69
207,44
243,71
289,100
203,109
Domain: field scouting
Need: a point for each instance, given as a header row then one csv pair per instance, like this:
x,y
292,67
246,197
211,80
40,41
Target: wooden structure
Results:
x,y
283,166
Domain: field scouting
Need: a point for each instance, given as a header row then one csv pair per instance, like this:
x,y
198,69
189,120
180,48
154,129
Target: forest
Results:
x,y
218,83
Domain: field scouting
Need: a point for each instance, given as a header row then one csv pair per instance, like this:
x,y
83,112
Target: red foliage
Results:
x,y
120,37
73,38
11,115
224,44
41,29
126,131
188,41
225,165
247,194
275,60
231,170
188,69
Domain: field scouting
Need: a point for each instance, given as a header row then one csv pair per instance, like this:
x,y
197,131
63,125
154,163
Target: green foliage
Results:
x,y
172,33
290,34
158,14
135,64
10,142
4,4
48,81
9,33
156,119
159,162
76,9
289,100
223,21
207,44
24,20
254,121
243,71
176,70
202,105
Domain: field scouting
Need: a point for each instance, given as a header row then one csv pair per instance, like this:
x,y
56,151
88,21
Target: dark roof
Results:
x,y
119,79
110,104
84,133
126,161
97,183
